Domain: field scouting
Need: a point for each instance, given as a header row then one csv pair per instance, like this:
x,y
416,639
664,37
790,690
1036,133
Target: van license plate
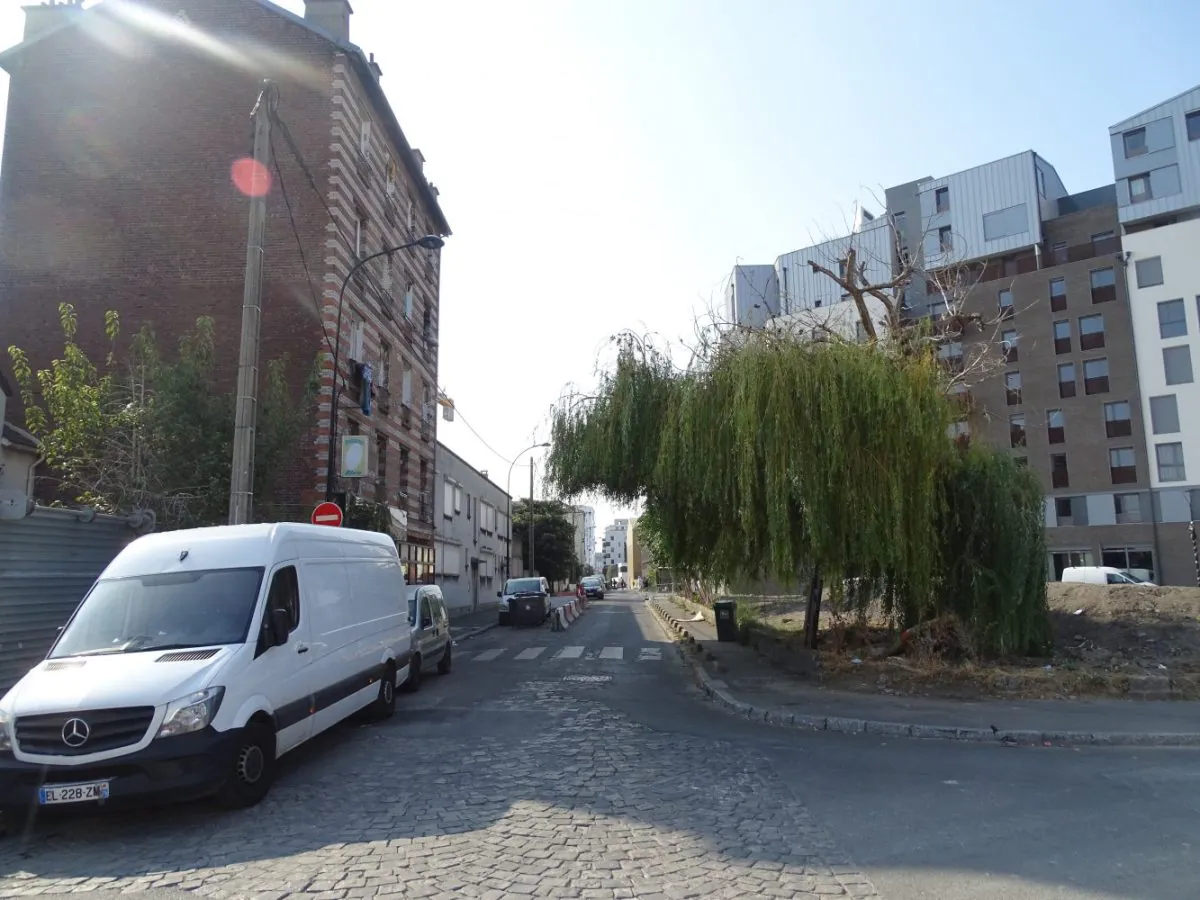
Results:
x,y
73,793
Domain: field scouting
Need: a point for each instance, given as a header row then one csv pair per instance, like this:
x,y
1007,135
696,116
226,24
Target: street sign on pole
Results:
x,y
327,514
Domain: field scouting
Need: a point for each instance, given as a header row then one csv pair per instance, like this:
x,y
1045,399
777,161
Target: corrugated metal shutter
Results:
x,y
48,560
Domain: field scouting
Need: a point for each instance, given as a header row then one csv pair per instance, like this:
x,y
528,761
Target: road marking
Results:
x,y
649,653
530,653
489,655
612,653
569,653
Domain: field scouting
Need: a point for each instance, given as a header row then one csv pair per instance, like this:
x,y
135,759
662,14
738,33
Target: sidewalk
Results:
x,y
465,623
736,677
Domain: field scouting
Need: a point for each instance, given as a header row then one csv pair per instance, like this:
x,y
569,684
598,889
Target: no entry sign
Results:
x,y
327,514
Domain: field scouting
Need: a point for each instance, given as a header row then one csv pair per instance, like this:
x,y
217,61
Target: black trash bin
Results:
x,y
725,612
530,610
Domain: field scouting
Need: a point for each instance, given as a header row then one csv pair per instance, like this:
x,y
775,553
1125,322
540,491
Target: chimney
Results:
x,y
375,68
49,14
419,157
332,16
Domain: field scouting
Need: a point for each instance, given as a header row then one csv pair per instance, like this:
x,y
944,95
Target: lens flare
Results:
x,y
251,177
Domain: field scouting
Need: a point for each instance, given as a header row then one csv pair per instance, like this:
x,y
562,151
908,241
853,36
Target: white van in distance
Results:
x,y
1101,575
198,658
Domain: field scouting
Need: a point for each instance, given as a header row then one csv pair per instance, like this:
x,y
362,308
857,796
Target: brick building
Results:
x,y
124,122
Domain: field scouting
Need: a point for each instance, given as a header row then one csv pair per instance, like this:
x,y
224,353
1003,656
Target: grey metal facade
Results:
x,y
752,295
471,516
1157,145
48,560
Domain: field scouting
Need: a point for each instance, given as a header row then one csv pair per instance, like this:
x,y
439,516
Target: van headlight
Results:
x,y
191,713
6,730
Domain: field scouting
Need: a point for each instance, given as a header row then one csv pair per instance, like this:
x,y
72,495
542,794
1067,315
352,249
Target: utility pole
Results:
x,y
531,569
241,481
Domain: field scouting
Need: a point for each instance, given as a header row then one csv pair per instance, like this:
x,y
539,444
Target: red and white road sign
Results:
x,y
327,513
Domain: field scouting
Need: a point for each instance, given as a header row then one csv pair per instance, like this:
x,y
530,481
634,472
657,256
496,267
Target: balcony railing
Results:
x,y
1027,261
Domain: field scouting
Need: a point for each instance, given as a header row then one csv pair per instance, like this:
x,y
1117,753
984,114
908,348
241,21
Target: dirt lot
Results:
x,y
1109,640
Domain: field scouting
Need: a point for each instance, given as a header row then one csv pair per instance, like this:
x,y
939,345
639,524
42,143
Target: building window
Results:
x,y
1056,430
1177,364
1116,419
1016,430
1091,332
1063,511
1139,188
1172,319
385,365
1128,507
381,453
360,236
1170,462
1066,380
945,238
458,495
1059,476
1148,271
1164,414
1021,462
1192,120
1095,376
1122,465
959,431
1062,337
1135,142
1058,294
448,499
1059,253
1008,345
1129,559
1104,285
1012,387
1005,303
941,200
937,310
951,355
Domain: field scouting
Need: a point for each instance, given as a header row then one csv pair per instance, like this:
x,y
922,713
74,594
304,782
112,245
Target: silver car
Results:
x,y
431,642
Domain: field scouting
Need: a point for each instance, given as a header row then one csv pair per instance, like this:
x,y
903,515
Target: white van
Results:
x,y
198,658
1101,575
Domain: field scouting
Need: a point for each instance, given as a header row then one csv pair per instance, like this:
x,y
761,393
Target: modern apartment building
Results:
x,y
1066,369
613,545
1156,167
124,120
751,295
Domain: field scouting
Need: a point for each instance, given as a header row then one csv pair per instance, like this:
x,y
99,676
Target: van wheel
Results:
x,y
445,662
384,706
252,768
414,676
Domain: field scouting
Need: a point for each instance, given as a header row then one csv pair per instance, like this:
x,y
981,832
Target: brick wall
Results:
x,y
117,193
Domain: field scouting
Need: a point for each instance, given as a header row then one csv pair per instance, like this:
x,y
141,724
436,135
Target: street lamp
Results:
x,y
508,490
428,242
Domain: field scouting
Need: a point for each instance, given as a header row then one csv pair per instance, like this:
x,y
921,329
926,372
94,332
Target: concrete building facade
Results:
x,y
472,533
124,126
613,545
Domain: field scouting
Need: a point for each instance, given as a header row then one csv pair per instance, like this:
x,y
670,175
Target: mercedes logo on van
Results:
x,y
75,732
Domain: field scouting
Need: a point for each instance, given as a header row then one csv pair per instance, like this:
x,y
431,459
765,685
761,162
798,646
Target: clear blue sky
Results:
x,y
605,163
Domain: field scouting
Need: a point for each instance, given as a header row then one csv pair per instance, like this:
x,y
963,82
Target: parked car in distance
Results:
x,y
521,588
1101,575
201,656
431,641
593,587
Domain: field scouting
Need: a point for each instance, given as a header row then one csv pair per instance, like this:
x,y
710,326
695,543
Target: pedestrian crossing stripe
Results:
x,y
651,653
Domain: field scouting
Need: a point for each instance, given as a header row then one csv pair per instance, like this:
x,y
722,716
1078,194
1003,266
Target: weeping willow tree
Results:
x,y
802,459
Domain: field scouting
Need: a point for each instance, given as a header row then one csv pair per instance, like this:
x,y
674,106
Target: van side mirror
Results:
x,y
426,621
281,626
499,593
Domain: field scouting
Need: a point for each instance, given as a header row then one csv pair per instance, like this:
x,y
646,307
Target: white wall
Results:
x,y
1177,246
806,289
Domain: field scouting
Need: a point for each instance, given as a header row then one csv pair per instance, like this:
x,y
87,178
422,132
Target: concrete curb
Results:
x,y
688,648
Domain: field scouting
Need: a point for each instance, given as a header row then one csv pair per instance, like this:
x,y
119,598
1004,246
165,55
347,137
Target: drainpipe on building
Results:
x,y
1123,259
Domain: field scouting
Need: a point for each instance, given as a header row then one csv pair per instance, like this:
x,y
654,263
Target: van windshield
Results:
x,y
159,612
523,585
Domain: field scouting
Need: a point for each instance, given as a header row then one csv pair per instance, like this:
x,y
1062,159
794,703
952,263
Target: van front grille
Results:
x,y
81,733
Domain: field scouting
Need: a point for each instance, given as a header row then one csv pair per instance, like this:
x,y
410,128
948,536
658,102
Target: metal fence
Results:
x,y
48,560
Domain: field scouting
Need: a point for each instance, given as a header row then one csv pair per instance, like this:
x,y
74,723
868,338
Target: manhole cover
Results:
x,y
588,679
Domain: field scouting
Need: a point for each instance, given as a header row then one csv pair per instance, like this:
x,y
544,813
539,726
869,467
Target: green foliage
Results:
x,y
367,515
993,552
553,537
153,433
779,457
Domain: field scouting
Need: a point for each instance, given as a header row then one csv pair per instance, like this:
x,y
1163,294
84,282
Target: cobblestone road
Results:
x,y
540,790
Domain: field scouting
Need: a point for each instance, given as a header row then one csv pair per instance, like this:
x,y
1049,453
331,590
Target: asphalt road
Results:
x,y
583,764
